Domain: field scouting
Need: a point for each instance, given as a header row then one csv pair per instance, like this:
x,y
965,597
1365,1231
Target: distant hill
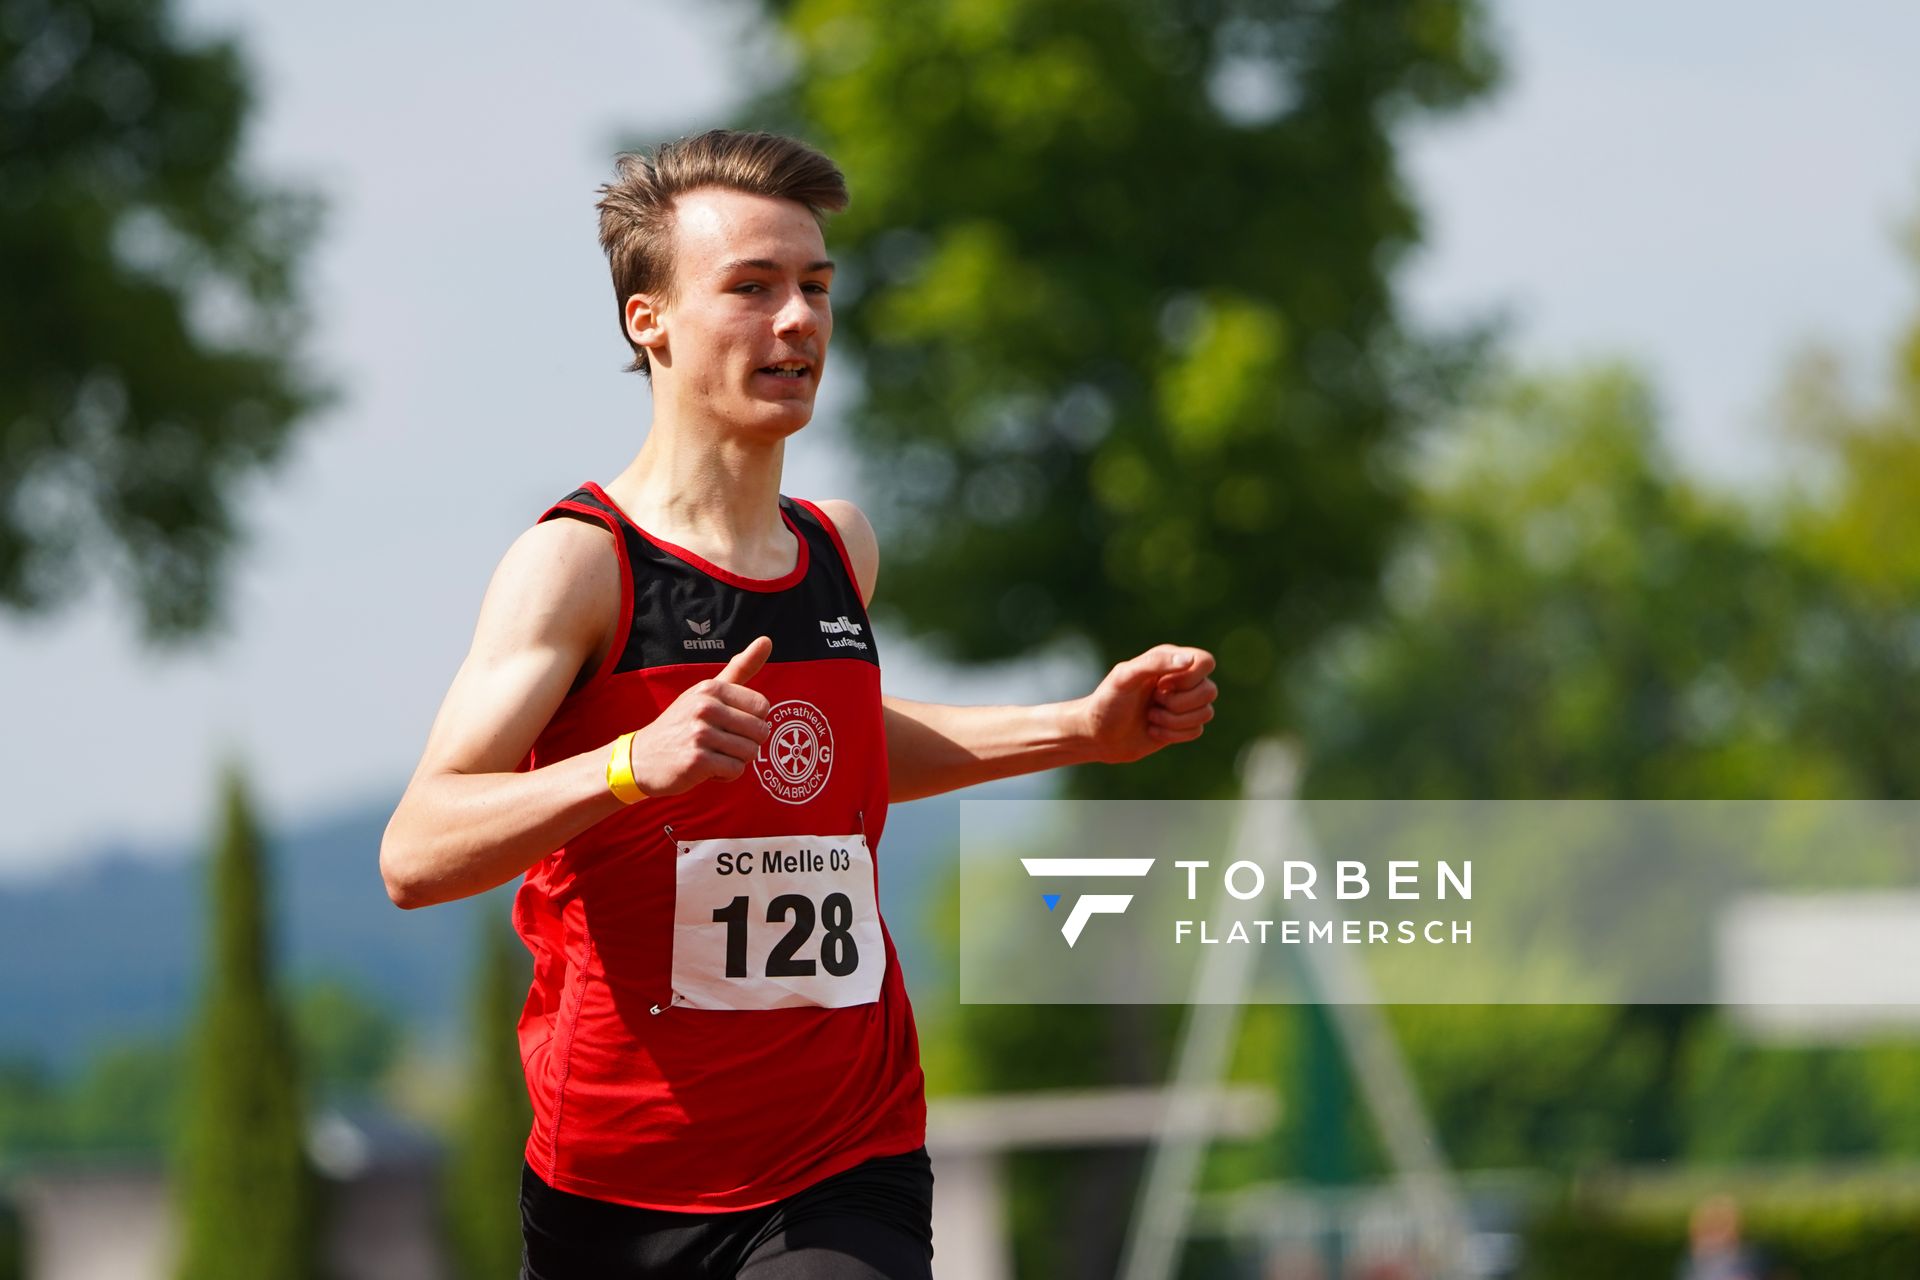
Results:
x,y
112,949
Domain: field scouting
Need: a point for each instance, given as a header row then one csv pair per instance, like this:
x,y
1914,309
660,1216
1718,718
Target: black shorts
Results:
x,y
871,1222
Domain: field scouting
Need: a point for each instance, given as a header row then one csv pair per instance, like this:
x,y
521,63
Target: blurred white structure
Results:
x,y
1830,967
1273,830
970,1138
99,1223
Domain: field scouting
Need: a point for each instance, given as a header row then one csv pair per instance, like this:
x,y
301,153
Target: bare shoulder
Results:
x,y
559,581
863,548
546,618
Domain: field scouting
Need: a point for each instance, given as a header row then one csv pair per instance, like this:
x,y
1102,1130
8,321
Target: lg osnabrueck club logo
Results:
x,y
1087,905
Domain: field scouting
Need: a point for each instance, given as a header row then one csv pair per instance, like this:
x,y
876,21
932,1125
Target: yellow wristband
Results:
x,y
620,771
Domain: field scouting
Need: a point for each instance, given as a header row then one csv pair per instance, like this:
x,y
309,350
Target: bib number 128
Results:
x,y
776,922
839,953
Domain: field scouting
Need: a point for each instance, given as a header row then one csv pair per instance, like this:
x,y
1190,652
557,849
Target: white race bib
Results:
x,y
776,922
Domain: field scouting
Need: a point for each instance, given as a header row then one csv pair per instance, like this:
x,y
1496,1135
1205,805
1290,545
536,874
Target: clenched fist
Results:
x,y
1149,702
713,730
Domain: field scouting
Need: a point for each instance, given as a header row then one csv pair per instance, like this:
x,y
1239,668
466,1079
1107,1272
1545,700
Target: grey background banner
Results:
x,y
1799,905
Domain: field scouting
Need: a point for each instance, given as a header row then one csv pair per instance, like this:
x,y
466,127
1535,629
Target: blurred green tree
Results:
x,y
1121,276
148,326
30,1112
483,1186
1573,618
13,1243
1576,617
348,1042
1118,279
1758,1103
127,1099
1856,516
248,1199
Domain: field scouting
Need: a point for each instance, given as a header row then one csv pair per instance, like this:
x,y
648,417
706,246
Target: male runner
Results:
x,y
671,722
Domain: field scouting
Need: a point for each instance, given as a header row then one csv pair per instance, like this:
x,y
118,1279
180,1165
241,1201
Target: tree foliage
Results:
x,y
127,1100
1576,616
29,1117
247,1197
347,1041
147,328
1119,278
13,1243
484,1180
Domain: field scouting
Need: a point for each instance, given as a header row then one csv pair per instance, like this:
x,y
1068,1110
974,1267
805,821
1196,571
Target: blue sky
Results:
x,y
1699,191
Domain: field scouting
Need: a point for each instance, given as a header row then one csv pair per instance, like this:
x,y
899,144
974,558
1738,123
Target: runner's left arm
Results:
x,y
1154,700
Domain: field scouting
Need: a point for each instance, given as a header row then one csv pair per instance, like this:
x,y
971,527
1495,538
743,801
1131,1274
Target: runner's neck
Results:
x,y
717,498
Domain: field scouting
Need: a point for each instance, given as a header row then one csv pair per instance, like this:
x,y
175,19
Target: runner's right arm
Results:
x,y
469,819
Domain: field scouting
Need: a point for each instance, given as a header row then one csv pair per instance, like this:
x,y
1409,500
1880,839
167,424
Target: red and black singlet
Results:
x,y
717,1018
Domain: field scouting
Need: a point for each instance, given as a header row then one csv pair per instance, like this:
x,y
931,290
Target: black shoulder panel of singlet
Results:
x,y
683,613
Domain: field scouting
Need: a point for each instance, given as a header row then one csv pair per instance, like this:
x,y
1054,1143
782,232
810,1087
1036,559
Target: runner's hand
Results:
x,y
713,730
1149,702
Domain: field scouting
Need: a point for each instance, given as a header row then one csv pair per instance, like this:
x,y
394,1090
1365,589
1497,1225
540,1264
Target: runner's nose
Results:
x,y
796,318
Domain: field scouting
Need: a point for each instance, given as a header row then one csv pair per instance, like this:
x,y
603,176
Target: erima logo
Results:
x,y
701,629
1088,904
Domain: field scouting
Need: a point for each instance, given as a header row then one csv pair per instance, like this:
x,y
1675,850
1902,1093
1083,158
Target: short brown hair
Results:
x,y
636,208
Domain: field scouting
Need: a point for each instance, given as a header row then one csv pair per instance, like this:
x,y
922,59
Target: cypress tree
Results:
x,y
13,1245
483,1185
247,1198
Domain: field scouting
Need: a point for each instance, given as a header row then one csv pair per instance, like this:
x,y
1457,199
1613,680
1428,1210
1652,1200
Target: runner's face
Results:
x,y
751,280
